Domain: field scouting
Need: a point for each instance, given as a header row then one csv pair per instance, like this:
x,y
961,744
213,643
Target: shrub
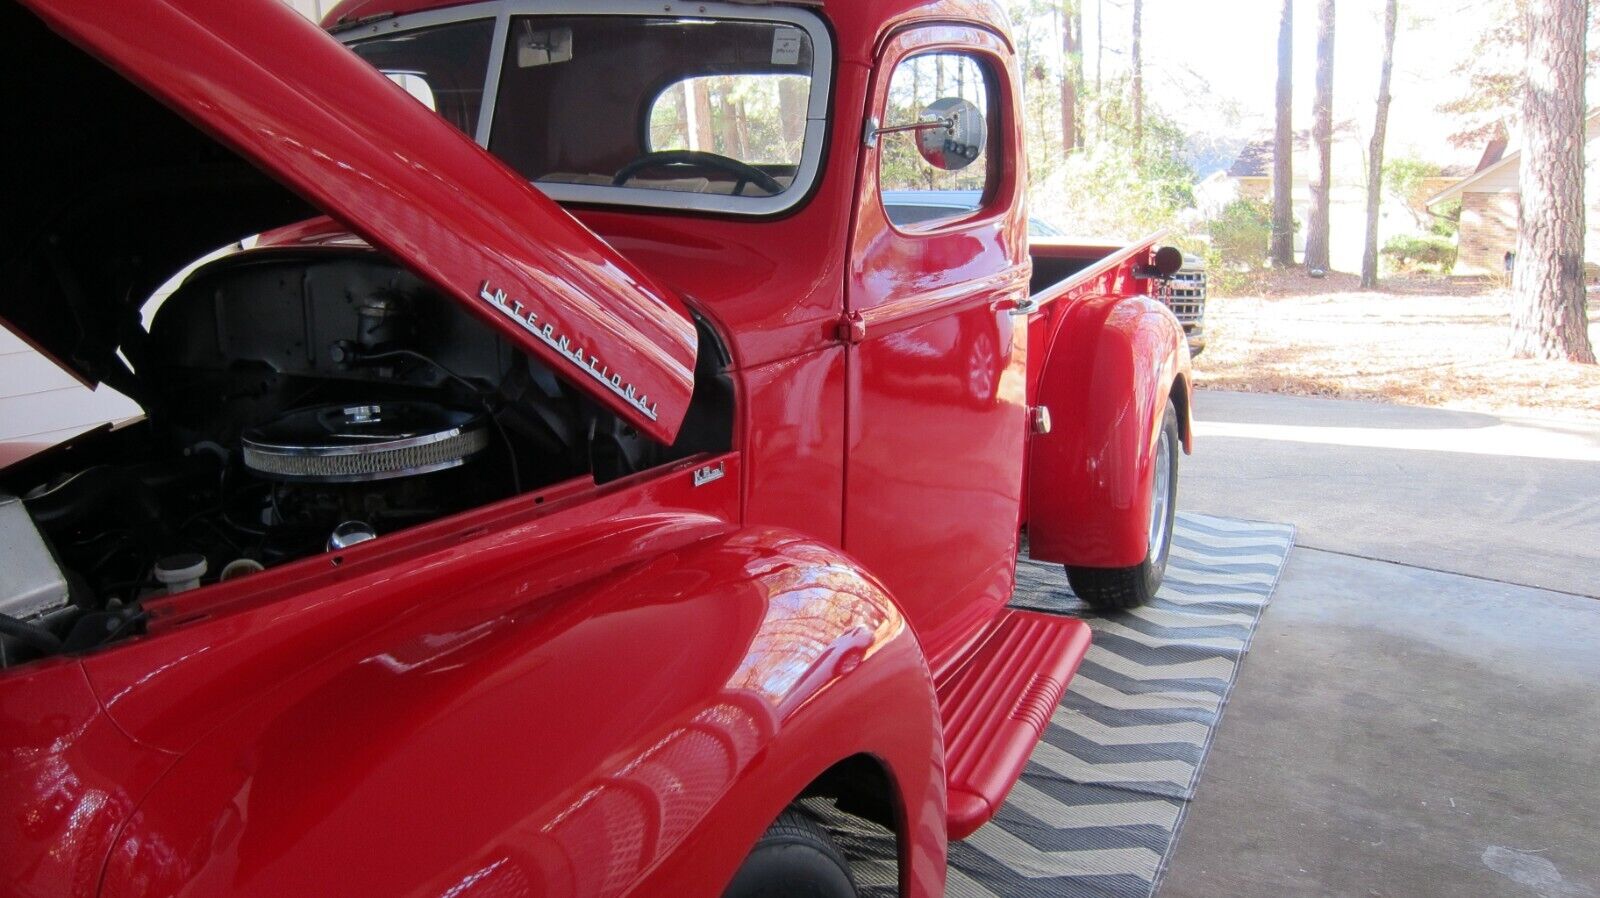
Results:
x,y
1446,219
1241,232
1103,189
1421,253
1100,190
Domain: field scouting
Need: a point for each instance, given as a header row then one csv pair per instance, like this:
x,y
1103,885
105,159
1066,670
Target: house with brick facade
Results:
x,y
1491,205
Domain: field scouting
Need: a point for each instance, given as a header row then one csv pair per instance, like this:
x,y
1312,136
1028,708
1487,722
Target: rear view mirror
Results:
x,y
544,46
957,136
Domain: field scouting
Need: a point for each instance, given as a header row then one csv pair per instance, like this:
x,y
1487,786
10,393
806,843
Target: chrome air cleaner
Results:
x,y
355,443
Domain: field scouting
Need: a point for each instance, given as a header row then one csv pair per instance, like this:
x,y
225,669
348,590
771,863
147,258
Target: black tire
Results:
x,y
794,859
1119,589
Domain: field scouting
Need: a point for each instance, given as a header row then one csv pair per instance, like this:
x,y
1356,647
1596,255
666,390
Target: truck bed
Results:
x,y
1062,264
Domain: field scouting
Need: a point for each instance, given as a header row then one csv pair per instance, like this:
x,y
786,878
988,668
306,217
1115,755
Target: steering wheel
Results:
x,y
747,174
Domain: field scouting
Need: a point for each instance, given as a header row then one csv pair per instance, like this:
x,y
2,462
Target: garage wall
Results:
x,y
40,403
312,9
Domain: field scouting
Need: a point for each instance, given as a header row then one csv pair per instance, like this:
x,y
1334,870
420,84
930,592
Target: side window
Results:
x,y
935,159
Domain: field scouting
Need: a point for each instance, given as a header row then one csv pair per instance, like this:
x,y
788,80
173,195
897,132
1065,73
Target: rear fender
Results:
x,y
629,735
1112,363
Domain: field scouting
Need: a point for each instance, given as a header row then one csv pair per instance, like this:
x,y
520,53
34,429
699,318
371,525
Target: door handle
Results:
x,y
1014,306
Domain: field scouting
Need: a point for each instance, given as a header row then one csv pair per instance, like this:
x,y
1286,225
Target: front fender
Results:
x,y
629,735
1111,365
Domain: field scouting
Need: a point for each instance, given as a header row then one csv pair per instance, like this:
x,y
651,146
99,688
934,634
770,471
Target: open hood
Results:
x,y
122,196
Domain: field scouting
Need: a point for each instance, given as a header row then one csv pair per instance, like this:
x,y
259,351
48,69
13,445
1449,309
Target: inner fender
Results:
x,y
1111,367
629,735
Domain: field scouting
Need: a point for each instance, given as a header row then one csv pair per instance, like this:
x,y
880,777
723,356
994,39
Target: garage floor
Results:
x,y
1414,719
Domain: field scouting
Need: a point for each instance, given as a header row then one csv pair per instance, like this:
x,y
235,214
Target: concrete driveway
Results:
x,y
1420,713
1502,499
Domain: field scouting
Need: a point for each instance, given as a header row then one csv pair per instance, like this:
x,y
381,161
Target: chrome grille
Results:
x,y
1186,296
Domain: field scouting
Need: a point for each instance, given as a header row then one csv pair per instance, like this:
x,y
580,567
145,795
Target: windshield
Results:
x,y
720,112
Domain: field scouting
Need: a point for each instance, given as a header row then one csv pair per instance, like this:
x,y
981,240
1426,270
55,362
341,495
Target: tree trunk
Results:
x,y
1099,69
793,96
1283,146
1317,238
1138,81
1549,319
1380,128
1077,69
1070,50
731,143
742,113
699,109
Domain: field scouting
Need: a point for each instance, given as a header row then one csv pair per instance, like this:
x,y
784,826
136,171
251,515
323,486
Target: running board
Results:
x,y
995,706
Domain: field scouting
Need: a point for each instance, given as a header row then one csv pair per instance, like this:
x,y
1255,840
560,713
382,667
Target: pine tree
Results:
x,y
1071,75
1549,318
1317,238
1380,128
1282,250
1138,81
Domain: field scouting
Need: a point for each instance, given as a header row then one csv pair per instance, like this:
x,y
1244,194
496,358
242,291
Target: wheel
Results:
x,y
1118,589
794,859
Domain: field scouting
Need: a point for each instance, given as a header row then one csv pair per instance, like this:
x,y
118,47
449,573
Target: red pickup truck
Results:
x,y
610,469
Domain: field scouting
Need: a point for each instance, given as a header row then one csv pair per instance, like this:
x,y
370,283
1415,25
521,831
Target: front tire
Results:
x,y
1119,589
794,859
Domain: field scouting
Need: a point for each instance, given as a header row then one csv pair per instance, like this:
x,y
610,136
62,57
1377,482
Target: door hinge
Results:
x,y
852,328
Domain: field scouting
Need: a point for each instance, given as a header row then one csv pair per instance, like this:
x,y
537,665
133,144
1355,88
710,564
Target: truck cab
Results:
x,y
569,444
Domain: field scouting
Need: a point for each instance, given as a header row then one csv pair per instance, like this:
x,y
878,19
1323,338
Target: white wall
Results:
x,y
1505,179
40,403
312,9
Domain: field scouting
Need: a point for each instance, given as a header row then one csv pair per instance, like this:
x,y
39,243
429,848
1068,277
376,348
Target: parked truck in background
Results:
x,y
582,462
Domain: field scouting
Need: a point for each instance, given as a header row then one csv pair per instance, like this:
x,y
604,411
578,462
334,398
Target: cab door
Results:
x,y
935,365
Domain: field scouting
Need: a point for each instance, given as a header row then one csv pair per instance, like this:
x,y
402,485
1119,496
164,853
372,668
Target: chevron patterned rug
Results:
x,y
1098,809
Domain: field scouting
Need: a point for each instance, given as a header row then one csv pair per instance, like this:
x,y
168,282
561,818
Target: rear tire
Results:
x,y
794,859
1119,589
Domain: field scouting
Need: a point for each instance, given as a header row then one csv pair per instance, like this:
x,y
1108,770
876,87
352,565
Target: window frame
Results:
x,y
995,78
808,174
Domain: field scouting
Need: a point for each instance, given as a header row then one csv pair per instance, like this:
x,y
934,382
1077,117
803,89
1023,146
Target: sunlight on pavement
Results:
x,y
1527,440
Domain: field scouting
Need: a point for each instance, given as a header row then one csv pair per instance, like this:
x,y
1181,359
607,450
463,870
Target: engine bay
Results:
x,y
298,402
